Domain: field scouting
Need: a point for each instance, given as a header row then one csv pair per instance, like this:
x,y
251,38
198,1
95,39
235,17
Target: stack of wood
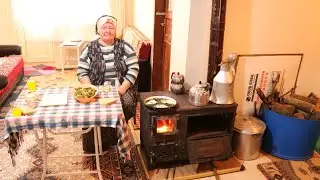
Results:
x,y
294,105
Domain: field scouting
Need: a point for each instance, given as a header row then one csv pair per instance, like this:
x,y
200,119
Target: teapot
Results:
x,y
177,80
199,94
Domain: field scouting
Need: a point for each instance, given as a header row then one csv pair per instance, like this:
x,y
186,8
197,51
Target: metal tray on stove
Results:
x,y
160,102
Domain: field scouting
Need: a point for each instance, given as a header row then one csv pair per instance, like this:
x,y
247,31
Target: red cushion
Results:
x,y
11,67
144,51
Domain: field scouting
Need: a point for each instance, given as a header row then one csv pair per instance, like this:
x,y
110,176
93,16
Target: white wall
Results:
x,y
273,26
8,35
190,39
180,35
198,42
143,18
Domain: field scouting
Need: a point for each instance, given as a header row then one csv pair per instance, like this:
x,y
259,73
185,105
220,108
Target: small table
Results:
x,y
67,46
72,115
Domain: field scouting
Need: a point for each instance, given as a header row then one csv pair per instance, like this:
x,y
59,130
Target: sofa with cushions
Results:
x,y
11,70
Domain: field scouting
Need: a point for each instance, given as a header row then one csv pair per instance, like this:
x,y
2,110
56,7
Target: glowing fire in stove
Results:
x,y
165,126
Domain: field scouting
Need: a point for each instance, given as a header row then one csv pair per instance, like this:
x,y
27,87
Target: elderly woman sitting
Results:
x,y
109,60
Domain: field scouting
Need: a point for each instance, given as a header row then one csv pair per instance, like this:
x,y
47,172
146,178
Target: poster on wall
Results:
x,y
259,72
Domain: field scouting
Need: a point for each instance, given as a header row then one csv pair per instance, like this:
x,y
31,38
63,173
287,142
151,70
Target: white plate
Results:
x,y
54,99
153,102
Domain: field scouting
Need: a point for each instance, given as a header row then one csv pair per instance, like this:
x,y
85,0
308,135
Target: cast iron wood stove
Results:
x,y
185,133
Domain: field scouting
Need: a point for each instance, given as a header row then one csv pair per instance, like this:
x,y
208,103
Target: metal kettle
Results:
x,y
222,87
199,94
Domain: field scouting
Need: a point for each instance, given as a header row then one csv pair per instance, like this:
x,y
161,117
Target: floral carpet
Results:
x,y
29,161
39,70
291,170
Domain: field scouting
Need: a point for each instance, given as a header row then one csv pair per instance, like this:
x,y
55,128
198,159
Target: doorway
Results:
x,y
162,45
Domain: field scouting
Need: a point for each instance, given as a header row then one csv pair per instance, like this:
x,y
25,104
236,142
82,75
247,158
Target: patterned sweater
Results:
x,y
129,57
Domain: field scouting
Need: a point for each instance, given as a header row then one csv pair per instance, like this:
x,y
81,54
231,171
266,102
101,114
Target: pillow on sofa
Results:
x,y
138,41
3,81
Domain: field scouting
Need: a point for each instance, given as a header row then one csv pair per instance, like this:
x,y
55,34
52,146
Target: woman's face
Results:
x,y
107,32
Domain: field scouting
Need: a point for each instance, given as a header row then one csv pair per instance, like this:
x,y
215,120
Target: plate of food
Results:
x,y
160,102
85,93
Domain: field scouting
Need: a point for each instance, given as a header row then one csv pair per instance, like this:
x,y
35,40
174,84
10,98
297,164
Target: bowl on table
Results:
x,y
85,93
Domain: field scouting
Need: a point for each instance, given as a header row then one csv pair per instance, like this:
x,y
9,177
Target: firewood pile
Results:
x,y
291,104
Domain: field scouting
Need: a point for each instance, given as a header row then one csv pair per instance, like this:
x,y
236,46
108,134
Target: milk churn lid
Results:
x,y
249,125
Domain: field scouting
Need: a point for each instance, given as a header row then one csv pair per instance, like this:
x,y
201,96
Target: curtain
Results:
x,y
58,20
118,10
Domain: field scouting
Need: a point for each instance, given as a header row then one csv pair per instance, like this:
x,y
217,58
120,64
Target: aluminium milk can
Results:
x,y
247,137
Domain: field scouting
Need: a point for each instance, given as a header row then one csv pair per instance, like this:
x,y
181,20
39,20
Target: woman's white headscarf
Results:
x,y
106,19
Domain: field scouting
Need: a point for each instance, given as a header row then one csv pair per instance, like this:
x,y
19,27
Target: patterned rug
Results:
x,y
39,70
136,124
29,161
291,170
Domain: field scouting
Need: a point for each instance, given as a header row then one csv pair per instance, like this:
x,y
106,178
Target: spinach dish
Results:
x,y
160,102
84,92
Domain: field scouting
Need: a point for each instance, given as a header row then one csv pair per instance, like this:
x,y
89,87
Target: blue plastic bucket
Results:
x,y
288,137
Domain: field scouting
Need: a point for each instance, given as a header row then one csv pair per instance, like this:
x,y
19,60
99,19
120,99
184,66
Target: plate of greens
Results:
x,y
160,102
85,93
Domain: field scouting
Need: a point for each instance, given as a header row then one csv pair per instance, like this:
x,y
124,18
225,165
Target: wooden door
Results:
x,y
167,50
161,49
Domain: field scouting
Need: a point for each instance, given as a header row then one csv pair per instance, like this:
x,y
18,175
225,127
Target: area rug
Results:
x,y
39,70
291,170
29,161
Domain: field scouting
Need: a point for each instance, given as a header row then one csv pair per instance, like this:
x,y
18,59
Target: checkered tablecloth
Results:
x,y
73,115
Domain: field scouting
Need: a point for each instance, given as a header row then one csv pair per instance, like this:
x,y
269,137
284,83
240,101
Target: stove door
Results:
x,y
206,148
165,128
164,152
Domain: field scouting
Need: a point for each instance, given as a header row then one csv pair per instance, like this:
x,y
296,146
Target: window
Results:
x,y
59,19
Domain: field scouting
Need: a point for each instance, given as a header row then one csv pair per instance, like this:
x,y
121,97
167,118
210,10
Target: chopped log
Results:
x,y
274,96
299,115
313,96
284,109
306,115
306,99
317,107
299,104
263,97
315,116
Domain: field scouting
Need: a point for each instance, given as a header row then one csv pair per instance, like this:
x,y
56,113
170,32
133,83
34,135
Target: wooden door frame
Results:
x,y
216,37
167,50
158,44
